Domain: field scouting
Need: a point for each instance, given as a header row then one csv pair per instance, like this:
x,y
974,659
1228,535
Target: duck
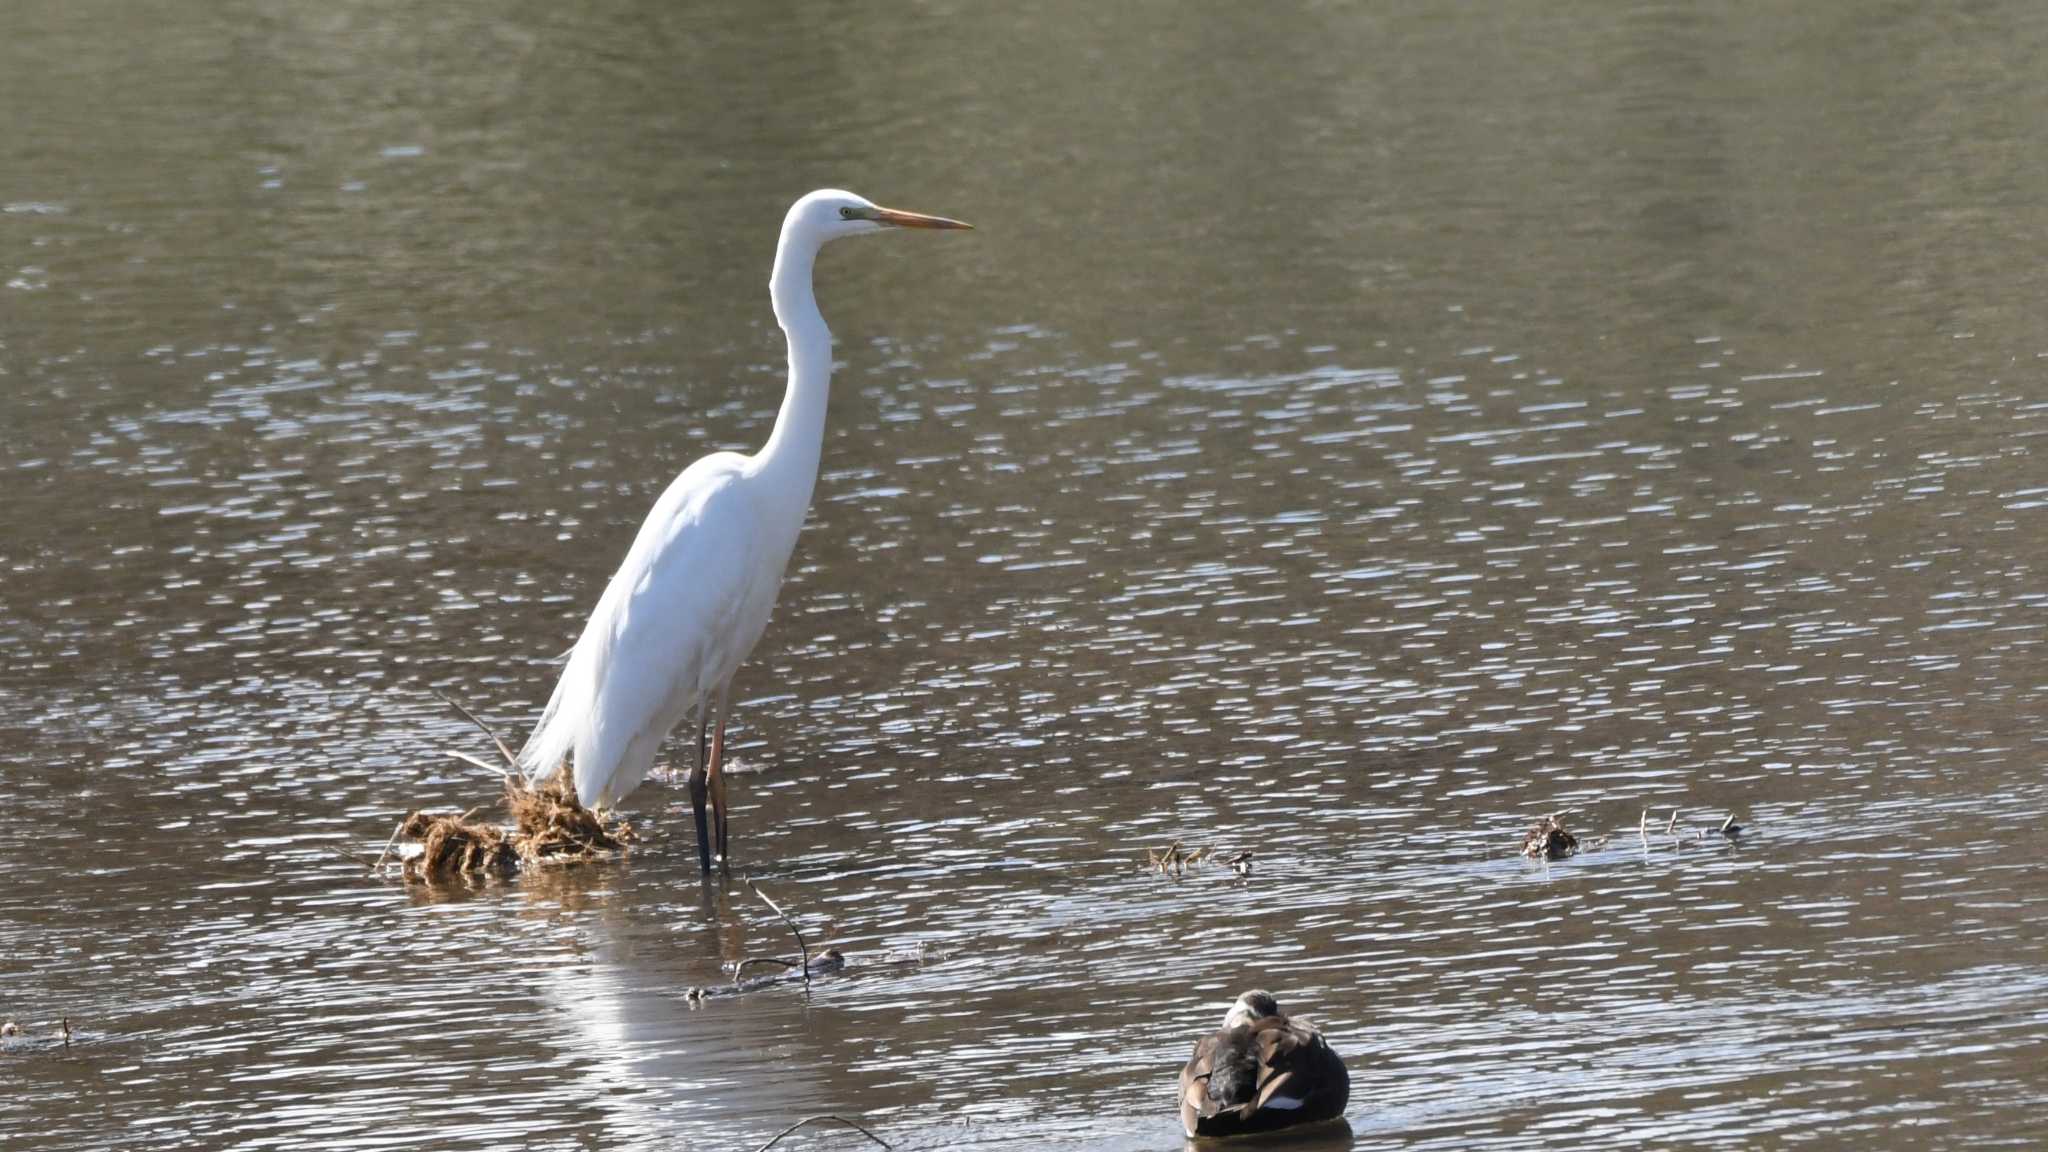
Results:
x,y
1261,1072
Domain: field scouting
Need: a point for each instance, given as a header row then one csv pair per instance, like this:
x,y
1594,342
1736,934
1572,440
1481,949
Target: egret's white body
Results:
x,y
678,618
699,583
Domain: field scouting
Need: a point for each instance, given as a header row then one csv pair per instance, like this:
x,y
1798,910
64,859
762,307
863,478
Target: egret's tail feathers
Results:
x,y
550,744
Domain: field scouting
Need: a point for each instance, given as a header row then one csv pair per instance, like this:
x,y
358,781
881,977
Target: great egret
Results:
x,y
1261,1072
698,584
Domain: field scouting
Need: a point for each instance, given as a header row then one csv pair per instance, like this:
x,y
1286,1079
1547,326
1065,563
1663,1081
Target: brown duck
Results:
x,y
1261,1072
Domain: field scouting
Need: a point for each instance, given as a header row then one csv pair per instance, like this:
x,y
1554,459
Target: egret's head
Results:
x,y
1249,1007
829,213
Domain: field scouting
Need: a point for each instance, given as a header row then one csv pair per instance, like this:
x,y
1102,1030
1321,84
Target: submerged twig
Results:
x,y
814,1119
395,834
742,965
802,947
486,765
355,858
503,749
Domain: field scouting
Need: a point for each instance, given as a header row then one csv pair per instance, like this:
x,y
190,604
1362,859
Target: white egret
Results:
x,y
696,588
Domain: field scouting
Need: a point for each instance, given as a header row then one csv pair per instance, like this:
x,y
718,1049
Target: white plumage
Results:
x,y
674,624
699,583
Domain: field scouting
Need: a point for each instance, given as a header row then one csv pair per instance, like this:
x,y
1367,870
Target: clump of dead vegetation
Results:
x,y
454,844
1547,840
548,827
551,827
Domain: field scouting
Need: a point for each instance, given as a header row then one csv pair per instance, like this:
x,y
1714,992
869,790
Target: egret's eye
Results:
x,y
846,213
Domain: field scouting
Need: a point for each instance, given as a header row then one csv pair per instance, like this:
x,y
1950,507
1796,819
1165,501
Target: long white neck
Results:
x,y
793,447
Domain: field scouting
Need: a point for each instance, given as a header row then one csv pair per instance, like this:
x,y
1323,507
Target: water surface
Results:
x,y
1349,434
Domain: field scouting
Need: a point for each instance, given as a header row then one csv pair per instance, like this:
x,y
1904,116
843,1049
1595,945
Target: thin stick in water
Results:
x,y
386,853
353,858
813,1119
486,765
801,947
742,965
481,726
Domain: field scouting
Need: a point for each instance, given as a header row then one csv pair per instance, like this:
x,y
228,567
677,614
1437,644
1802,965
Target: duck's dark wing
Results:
x,y
1270,1074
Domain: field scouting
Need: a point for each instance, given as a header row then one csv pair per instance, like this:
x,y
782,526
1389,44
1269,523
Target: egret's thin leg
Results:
x,y
718,809
699,777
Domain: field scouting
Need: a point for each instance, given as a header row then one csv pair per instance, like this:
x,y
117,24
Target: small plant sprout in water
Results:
x,y
1728,831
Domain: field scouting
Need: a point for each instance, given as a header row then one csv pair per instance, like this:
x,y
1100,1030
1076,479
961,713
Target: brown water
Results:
x,y
1350,434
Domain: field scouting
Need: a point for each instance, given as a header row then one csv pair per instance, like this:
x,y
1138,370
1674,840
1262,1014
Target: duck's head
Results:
x,y
1249,1007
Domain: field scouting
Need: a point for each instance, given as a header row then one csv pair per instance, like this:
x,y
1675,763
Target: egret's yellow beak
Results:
x,y
915,219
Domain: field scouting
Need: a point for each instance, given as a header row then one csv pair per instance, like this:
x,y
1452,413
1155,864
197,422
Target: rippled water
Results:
x,y
1349,435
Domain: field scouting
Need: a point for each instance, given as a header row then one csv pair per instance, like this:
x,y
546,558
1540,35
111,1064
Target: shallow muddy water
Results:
x,y
1349,434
